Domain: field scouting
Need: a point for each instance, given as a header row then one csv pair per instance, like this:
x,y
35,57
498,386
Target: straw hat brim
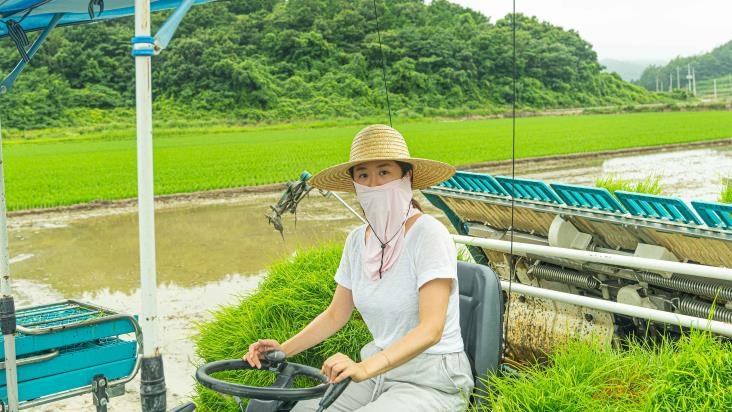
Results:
x,y
425,173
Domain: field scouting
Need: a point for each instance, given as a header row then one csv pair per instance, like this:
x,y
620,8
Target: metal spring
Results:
x,y
570,277
694,287
700,309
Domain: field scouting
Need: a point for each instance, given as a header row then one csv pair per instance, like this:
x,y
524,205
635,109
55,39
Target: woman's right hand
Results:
x,y
258,349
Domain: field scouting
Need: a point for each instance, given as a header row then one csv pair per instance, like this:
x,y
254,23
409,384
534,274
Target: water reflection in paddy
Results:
x,y
195,244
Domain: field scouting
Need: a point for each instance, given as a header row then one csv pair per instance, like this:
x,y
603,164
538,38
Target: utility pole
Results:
x,y
678,78
693,80
688,77
656,83
670,82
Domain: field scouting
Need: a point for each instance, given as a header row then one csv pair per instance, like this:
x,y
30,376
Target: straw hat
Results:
x,y
381,142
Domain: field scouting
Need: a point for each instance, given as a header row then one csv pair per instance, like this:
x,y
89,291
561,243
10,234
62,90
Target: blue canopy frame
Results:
x,y
23,16
33,15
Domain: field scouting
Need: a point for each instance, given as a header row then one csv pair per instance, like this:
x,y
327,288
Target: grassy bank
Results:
x,y
46,171
692,374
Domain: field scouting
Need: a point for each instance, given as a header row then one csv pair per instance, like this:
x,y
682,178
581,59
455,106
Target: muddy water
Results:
x,y
211,253
195,244
208,255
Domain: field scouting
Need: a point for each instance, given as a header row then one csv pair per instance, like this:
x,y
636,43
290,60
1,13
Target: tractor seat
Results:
x,y
481,314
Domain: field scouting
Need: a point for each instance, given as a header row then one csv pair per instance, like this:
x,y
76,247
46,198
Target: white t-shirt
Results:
x,y
390,305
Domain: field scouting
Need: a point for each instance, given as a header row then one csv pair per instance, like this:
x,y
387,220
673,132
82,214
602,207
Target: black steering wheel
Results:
x,y
280,396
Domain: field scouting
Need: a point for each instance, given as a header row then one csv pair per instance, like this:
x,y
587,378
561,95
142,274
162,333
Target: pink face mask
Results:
x,y
387,208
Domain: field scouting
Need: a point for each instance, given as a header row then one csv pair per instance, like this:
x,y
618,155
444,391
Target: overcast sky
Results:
x,y
629,29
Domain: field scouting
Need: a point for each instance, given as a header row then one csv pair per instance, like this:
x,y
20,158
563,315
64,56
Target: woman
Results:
x,y
399,271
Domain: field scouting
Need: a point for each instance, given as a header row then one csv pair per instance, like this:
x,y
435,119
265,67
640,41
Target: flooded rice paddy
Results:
x,y
211,253
208,255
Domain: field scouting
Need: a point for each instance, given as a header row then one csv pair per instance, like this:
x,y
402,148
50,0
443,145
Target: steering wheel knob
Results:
x,y
275,356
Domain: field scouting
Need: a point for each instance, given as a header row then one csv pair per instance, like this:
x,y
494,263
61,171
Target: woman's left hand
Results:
x,y
339,367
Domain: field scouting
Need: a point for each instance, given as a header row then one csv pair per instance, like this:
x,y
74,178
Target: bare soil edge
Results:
x,y
103,207
97,208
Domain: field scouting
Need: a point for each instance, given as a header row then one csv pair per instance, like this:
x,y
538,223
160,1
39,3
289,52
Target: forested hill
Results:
x,y
296,59
712,65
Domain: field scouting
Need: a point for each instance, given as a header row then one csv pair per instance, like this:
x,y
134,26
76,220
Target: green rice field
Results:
x,y
68,170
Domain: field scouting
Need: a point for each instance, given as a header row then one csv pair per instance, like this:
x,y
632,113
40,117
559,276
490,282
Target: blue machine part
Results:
x,y
62,346
449,183
529,189
64,319
659,207
74,367
475,182
714,214
588,197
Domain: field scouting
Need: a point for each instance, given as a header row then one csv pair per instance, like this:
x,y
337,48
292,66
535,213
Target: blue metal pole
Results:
x,y
167,30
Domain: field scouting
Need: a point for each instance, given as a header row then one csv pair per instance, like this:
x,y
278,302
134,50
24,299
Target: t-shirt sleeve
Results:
x,y
436,253
344,271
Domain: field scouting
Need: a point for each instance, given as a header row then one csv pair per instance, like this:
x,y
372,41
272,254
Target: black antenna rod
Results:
x,y
511,257
383,62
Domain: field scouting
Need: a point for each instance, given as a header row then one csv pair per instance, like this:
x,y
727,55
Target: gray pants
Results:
x,y
427,383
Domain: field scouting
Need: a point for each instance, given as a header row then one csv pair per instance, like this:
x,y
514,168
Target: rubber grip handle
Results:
x,y
332,393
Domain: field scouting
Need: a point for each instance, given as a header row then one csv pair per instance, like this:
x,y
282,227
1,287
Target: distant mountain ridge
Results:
x,y
629,70
715,64
257,60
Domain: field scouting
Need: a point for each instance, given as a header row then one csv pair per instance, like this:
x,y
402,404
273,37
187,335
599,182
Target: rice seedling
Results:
x,y
726,195
292,293
650,184
693,373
